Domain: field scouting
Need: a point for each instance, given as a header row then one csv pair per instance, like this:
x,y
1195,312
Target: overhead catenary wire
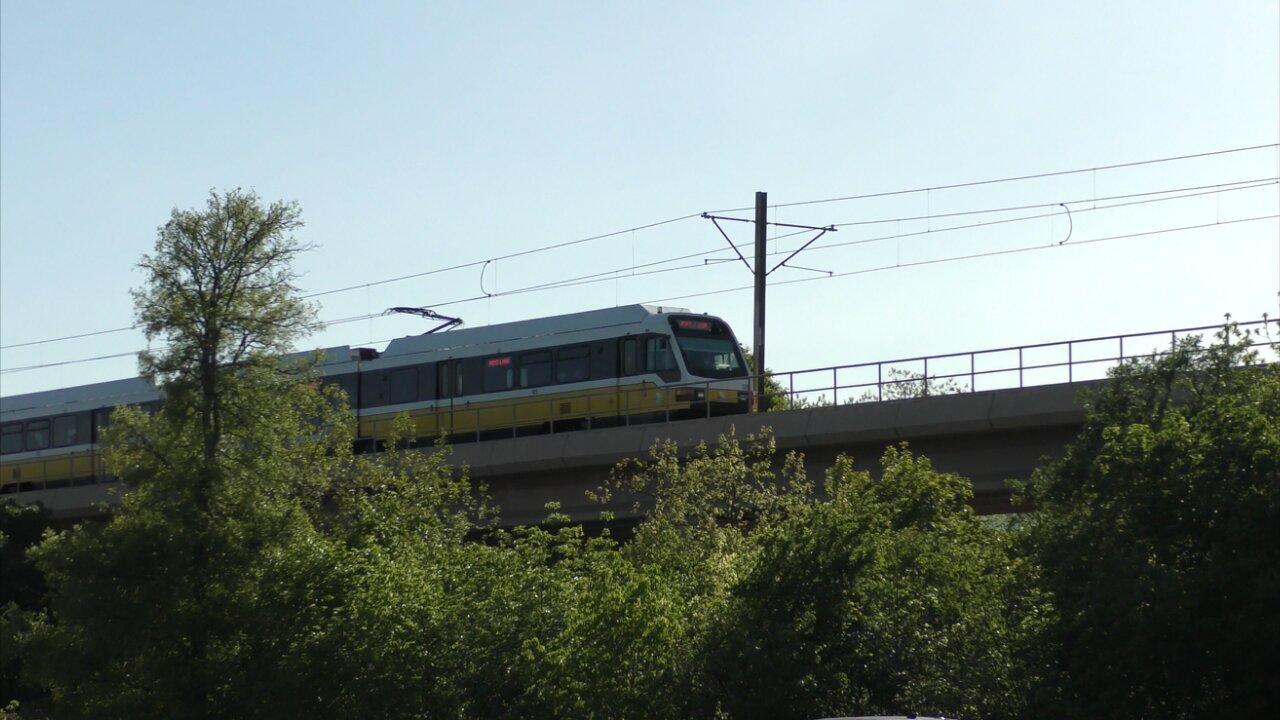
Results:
x,y
972,256
78,361
67,337
387,281
508,256
1213,189
1015,178
833,275
1217,189
656,266
1023,218
659,223
608,275
935,261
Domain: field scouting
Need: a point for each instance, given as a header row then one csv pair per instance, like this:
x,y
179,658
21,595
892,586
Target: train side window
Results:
x,y
373,389
629,357
426,382
101,421
497,374
37,435
347,383
11,438
573,364
350,385
658,355
65,431
444,380
606,365
457,378
404,385
535,369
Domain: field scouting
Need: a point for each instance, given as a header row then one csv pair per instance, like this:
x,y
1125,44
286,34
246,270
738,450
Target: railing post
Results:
x,y
879,382
791,392
1019,367
1071,363
835,386
924,389
973,379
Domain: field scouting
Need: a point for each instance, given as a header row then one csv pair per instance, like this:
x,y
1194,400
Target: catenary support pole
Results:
x,y
760,272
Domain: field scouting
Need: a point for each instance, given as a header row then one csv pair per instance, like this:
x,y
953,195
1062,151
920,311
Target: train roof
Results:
x,y
135,390
621,316
74,399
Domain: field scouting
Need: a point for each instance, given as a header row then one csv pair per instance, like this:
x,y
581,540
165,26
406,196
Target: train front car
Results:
x,y
716,378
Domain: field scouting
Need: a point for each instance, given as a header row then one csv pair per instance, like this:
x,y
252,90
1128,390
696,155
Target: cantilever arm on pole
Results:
x,y
716,222
825,230
828,273
717,218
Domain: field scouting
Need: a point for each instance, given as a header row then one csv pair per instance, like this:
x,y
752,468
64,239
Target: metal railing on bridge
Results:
x,y
1017,366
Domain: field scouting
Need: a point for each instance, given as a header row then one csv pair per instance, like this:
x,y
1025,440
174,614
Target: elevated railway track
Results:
x,y
990,415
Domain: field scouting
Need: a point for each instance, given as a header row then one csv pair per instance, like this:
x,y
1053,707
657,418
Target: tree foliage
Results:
x,y
159,610
257,568
22,595
1158,537
777,398
878,594
888,596
219,289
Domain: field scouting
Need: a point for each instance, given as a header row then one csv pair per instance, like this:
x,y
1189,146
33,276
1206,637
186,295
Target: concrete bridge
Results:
x,y
988,437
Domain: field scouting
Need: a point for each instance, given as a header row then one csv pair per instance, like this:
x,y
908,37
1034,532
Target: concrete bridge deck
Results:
x,y
988,437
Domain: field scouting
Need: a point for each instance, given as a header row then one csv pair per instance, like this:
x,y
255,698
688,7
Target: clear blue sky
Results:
x,y
417,136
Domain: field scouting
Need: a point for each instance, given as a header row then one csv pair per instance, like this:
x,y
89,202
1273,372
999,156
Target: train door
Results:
x,y
448,386
629,393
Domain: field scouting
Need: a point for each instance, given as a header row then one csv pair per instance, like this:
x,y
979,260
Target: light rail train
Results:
x,y
617,366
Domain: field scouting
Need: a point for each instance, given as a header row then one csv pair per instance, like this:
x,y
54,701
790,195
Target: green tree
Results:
x,y
1158,537
776,397
159,612
744,594
22,595
682,562
886,596
398,627
907,384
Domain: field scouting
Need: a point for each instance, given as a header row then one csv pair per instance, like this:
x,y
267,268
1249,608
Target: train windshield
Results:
x,y
708,348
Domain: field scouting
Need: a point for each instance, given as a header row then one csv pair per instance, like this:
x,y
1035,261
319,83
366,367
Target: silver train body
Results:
x,y
617,366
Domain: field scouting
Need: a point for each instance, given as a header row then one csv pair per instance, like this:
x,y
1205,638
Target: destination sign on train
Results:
x,y
694,325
